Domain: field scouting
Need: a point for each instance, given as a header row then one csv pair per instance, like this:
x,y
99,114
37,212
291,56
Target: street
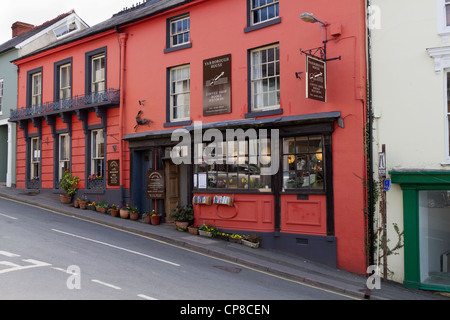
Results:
x,y
46,255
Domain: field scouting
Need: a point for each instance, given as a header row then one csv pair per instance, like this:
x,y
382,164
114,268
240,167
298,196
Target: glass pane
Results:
x,y
434,237
447,14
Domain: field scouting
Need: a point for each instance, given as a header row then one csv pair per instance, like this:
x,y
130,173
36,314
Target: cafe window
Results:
x,y
232,165
303,163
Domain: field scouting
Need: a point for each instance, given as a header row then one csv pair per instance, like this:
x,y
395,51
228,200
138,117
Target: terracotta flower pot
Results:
x,y
124,214
134,216
155,220
65,198
114,212
76,203
83,204
181,225
100,209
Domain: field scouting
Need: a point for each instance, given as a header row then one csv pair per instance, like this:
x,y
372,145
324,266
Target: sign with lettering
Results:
x,y
217,85
113,172
316,79
155,184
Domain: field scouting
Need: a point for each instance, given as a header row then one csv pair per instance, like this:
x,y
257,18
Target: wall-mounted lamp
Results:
x,y
320,52
309,17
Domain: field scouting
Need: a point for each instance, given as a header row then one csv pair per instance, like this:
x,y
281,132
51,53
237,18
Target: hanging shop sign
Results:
x,y
217,85
113,172
316,79
155,184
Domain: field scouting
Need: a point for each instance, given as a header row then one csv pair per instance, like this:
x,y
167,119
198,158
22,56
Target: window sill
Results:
x,y
180,47
264,113
262,25
177,123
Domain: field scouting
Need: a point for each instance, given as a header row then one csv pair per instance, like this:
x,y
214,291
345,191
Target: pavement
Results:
x,y
273,262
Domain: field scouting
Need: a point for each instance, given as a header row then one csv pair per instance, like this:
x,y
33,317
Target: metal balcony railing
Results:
x,y
110,96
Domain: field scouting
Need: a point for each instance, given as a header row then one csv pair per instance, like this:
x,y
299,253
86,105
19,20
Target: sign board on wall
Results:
x,y
316,79
113,172
155,184
217,85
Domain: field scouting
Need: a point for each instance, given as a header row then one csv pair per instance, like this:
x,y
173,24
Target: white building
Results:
x,y
410,68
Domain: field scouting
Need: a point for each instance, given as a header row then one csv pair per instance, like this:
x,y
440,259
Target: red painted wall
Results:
x,y
217,28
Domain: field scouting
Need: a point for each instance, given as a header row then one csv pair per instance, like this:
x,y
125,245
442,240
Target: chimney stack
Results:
x,y
19,28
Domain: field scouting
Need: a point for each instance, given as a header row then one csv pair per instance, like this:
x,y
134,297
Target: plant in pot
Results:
x,y
134,213
114,210
124,211
251,241
207,230
76,203
83,202
183,215
69,183
193,229
155,218
101,206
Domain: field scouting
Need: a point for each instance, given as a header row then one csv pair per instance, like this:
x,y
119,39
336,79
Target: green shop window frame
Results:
x,y
411,183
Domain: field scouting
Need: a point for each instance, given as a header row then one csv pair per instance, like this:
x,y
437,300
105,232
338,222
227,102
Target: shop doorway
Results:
x,y
172,182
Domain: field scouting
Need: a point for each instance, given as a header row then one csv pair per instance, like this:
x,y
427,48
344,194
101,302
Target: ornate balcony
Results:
x,y
79,102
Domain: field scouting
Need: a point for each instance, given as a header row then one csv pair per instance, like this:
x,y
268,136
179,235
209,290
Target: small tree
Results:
x,y
69,183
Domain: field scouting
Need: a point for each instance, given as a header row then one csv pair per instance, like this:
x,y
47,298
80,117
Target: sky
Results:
x,y
37,12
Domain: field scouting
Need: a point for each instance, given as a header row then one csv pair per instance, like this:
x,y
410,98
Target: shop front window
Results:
x,y
232,165
303,162
434,237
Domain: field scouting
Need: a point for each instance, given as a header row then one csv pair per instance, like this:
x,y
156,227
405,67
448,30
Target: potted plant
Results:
x,y
101,206
207,230
114,210
251,241
134,213
91,206
124,211
83,202
76,203
193,229
182,215
236,238
146,217
69,183
155,218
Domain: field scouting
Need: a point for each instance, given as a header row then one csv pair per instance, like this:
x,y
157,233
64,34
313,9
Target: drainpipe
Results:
x,y
370,144
122,38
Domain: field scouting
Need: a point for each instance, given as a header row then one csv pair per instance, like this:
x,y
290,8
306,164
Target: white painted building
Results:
x,y
410,88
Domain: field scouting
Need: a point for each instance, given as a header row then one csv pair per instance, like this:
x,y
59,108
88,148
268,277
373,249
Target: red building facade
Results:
x,y
120,92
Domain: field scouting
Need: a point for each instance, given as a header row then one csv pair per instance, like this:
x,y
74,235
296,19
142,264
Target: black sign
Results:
x,y
217,85
316,77
155,184
113,172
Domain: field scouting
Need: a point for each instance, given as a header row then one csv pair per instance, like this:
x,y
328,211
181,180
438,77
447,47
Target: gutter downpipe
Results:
x,y
370,143
122,38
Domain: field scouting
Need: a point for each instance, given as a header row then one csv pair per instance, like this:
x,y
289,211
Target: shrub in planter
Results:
x,y
183,215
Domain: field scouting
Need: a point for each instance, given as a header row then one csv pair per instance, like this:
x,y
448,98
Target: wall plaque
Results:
x,y
113,172
316,76
217,85
155,184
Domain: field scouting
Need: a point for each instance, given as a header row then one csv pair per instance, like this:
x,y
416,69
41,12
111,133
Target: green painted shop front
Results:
x,y
426,216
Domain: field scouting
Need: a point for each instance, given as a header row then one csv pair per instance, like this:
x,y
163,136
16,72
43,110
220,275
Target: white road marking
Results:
x,y
9,254
143,296
106,284
116,247
15,267
4,215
